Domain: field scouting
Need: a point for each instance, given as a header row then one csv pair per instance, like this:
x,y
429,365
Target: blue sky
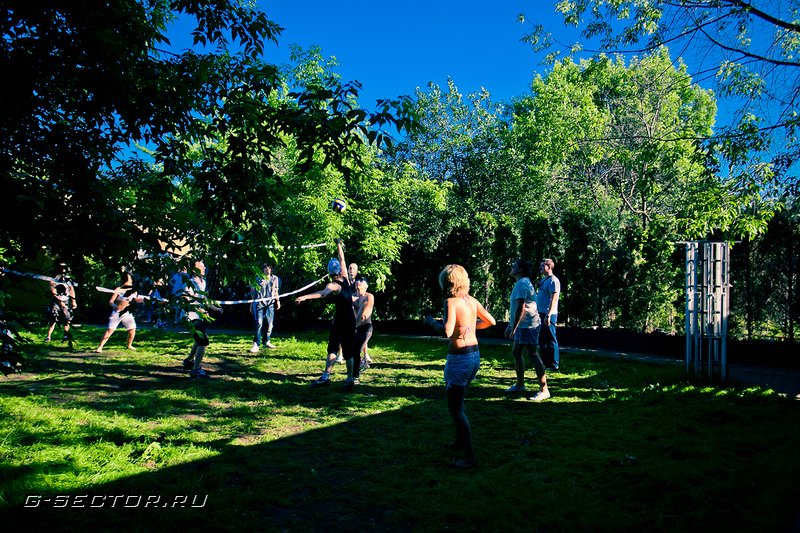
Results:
x,y
394,47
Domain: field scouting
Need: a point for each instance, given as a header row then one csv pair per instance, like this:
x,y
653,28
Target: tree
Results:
x,y
751,50
92,81
616,145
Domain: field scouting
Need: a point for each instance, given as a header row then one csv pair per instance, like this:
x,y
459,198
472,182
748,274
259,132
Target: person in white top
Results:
x,y
523,328
195,293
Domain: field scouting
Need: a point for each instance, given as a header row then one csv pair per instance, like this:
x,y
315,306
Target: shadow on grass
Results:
x,y
608,453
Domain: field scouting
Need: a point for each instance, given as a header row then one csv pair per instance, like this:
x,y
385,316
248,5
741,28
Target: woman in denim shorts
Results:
x,y
463,315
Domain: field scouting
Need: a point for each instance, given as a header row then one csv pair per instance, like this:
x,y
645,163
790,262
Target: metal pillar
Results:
x,y
707,308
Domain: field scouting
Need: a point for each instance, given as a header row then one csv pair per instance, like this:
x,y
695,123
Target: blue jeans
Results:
x,y
548,342
263,319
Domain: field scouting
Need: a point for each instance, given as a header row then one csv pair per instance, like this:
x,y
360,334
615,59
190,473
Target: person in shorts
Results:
x,y
463,315
62,303
523,328
120,302
343,327
363,305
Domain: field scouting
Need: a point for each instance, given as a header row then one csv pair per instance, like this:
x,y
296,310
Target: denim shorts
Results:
x,y
526,336
460,370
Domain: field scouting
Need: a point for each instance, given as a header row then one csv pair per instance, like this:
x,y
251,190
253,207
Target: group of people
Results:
x,y
533,314
351,328
352,323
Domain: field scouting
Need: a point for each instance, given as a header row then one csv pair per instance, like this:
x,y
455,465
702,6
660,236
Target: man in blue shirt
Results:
x,y
547,303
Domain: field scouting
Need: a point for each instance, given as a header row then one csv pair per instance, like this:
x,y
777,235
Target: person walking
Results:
x,y
547,294
266,291
463,315
523,328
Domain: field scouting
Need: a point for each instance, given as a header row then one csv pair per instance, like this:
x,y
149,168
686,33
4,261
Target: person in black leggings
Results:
x,y
343,328
363,305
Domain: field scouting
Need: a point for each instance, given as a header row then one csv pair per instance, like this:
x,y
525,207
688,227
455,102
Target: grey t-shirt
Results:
x,y
523,289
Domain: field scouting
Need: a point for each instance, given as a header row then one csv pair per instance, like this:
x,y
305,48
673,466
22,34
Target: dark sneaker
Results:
x,y
188,363
349,384
199,373
321,382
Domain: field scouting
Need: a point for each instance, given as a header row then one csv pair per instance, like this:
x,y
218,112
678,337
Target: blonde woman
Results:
x,y
463,315
120,303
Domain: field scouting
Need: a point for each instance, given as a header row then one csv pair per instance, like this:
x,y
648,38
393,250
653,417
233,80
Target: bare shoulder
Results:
x,y
334,287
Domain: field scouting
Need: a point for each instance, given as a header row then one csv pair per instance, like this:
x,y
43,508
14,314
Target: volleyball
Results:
x,y
338,205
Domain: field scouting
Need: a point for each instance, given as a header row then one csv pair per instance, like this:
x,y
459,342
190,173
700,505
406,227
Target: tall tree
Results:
x,y
92,79
750,48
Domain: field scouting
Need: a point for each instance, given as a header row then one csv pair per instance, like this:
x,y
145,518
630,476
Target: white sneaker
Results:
x,y
541,395
515,388
254,349
270,345
340,359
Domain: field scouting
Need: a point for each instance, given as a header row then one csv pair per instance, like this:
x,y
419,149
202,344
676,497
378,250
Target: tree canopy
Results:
x,y
92,81
749,49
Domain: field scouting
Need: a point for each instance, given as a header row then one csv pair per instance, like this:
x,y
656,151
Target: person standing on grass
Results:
x,y
177,284
266,290
363,304
463,315
195,293
547,302
343,328
523,328
352,275
121,311
62,303
366,360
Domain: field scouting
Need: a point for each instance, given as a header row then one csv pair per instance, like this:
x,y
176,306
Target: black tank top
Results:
x,y
344,305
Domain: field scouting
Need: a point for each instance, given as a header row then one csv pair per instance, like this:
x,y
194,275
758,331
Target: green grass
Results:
x,y
621,446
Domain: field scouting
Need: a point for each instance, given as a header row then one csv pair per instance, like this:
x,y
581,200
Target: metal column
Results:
x,y
707,308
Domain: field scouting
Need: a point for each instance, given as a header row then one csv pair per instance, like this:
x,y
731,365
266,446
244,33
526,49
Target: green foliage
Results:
x,y
93,82
752,47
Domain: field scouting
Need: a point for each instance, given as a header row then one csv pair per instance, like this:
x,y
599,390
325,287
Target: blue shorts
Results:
x,y
526,336
461,369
